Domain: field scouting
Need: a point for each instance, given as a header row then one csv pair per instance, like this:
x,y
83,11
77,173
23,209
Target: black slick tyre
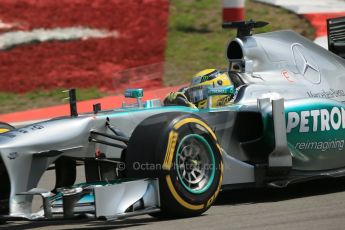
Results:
x,y
182,151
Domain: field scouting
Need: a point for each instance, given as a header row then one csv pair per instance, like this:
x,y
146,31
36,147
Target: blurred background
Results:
x,y
102,47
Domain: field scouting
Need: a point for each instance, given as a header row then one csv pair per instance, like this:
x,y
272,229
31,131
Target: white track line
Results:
x,y
15,38
309,6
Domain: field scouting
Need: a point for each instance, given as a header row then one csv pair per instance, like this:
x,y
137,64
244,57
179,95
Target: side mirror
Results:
x,y
215,91
135,93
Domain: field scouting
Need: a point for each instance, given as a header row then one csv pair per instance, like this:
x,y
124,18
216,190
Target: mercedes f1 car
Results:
x,y
286,125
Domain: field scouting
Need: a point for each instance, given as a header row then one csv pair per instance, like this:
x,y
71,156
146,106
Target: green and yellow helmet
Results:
x,y
197,92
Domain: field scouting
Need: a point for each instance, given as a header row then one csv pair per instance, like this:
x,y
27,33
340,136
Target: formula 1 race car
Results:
x,y
286,125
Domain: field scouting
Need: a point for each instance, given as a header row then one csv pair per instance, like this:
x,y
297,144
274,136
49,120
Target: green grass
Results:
x,y
196,40
11,102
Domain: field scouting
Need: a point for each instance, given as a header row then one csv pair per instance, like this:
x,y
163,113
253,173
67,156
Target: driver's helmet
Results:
x,y
197,92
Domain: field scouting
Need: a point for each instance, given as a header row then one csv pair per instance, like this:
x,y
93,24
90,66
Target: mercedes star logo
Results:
x,y
306,66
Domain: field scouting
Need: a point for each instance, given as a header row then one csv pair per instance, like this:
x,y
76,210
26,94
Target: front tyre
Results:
x,y
189,160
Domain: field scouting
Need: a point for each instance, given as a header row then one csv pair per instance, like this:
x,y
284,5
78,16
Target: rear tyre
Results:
x,y
182,151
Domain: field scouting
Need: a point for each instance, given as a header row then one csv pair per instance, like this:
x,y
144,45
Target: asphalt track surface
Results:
x,y
313,205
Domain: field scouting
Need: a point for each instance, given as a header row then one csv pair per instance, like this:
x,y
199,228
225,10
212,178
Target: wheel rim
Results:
x,y
195,163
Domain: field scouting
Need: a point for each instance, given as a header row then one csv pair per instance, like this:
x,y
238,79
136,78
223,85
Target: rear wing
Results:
x,y
336,36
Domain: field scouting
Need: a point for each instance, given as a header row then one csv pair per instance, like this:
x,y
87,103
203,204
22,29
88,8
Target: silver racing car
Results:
x,y
286,125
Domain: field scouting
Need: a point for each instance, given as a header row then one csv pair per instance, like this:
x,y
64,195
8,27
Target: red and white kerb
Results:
x,y
233,10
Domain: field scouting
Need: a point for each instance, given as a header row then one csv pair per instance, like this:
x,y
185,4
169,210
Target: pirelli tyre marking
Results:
x,y
194,120
170,150
173,146
213,198
178,197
